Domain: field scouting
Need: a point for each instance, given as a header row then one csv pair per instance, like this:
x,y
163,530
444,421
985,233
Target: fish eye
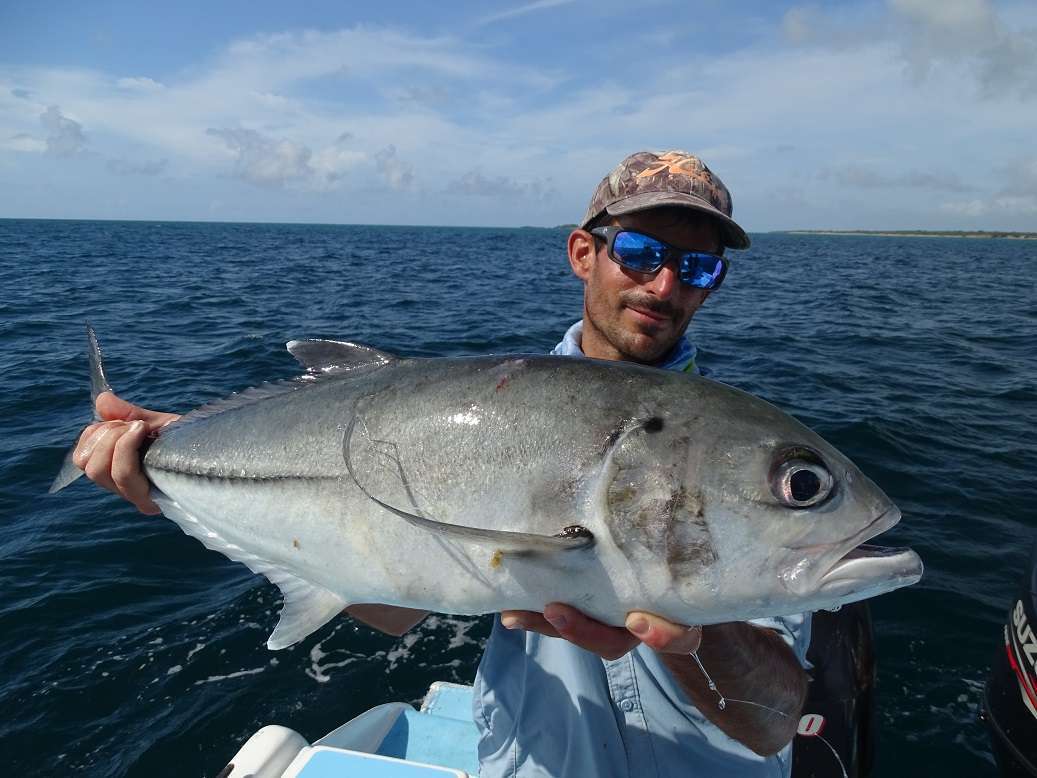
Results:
x,y
801,480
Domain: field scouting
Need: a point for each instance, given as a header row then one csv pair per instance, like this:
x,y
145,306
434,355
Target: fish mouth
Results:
x,y
866,570
857,570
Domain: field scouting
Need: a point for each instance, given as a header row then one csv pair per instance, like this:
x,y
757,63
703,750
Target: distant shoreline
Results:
x,y
922,233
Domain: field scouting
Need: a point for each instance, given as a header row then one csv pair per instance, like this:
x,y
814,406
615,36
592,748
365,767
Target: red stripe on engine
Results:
x,y
1024,681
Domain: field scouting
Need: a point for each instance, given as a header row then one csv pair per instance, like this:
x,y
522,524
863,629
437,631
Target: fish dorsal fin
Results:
x,y
240,399
336,356
307,607
319,357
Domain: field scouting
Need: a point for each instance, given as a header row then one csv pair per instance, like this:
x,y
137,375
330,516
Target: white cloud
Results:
x,y
1025,204
833,27
967,18
281,59
1003,59
522,10
266,161
1002,206
864,177
503,144
331,164
126,167
257,83
139,84
474,183
799,23
25,142
397,173
284,163
970,208
65,136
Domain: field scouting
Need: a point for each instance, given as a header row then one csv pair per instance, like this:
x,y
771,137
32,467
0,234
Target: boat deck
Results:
x,y
389,741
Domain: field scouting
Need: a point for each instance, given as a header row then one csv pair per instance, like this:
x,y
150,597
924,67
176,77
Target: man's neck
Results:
x,y
593,345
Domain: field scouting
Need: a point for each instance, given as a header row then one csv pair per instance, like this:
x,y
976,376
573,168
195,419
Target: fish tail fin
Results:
x,y
98,384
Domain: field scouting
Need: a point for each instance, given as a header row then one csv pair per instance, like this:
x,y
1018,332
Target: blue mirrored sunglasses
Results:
x,y
644,254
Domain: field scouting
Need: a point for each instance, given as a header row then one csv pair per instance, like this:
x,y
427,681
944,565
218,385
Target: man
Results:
x,y
559,694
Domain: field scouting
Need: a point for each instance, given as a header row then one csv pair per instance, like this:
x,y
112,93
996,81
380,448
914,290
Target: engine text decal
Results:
x,y
1021,646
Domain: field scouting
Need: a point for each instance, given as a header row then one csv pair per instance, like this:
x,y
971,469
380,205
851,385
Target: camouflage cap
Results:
x,y
674,178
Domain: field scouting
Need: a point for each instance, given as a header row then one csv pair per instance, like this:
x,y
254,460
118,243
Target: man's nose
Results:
x,y
665,281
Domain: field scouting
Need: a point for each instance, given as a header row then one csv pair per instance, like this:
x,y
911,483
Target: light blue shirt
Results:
x,y
548,709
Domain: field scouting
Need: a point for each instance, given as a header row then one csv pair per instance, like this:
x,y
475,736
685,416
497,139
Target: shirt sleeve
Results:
x,y
795,630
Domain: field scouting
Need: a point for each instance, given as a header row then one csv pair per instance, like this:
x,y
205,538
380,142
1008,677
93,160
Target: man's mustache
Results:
x,y
650,304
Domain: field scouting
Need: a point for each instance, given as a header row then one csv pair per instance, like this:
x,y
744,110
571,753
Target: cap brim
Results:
x,y
731,235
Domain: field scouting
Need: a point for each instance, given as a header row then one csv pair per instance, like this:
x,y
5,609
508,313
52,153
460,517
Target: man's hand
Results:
x,y
563,621
109,451
747,662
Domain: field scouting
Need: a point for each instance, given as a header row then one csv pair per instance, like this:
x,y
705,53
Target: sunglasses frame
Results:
x,y
610,233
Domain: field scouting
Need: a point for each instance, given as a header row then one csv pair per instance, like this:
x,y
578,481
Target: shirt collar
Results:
x,y
681,357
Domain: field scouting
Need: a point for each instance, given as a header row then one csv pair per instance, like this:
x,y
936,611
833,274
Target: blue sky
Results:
x,y
887,114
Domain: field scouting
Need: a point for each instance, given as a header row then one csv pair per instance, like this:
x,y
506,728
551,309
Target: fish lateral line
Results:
x,y
215,475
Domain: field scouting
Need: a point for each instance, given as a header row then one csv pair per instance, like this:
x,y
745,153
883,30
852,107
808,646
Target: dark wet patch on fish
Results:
x,y
650,508
689,543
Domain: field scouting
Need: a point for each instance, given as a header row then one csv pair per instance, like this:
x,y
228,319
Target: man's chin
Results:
x,y
648,349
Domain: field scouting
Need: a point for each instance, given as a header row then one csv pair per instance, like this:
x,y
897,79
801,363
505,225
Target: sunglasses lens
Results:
x,y
645,254
703,271
638,252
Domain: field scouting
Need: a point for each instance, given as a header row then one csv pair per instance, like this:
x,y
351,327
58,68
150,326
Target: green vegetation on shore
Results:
x,y
924,233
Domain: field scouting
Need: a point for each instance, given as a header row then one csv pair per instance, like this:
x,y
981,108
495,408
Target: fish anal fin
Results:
x,y
307,607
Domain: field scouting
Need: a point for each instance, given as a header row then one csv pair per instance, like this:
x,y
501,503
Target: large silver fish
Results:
x,y
473,485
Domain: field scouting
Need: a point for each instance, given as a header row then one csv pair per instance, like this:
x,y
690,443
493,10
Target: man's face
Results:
x,y
634,316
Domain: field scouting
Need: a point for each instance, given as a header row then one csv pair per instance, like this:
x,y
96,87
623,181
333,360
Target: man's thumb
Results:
x,y
111,407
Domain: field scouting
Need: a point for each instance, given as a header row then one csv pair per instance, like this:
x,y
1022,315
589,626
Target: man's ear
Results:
x,y
582,254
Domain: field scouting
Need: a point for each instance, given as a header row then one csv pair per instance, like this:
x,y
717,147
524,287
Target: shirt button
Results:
x,y
626,705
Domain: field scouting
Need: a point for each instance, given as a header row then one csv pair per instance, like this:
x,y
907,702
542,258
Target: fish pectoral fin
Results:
x,y
306,609
336,356
569,539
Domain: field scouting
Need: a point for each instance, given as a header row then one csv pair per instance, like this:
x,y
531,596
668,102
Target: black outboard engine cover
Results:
x,y
1010,697
839,719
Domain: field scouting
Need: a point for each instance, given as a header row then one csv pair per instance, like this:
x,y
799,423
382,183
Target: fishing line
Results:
x,y
722,705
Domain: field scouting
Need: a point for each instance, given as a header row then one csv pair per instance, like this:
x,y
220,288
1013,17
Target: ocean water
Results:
x,y
128,649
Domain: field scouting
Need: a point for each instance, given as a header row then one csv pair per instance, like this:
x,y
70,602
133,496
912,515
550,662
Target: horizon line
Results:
x,y
787,230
